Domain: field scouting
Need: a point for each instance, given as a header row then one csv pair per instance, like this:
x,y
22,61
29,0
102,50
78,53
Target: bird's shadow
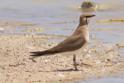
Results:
x,y
66,70
62,70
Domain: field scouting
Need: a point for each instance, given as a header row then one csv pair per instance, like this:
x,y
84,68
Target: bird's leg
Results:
x,y
74,62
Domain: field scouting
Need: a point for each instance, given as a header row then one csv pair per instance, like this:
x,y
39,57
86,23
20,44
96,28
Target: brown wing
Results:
x,y
70,44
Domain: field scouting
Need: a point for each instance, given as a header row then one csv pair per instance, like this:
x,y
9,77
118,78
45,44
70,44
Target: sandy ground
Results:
x,y
16,66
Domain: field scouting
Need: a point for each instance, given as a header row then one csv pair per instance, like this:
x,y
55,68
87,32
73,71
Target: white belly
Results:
x,y
87,36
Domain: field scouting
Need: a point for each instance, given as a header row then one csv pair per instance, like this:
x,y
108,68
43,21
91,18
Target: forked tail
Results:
x,y
43,53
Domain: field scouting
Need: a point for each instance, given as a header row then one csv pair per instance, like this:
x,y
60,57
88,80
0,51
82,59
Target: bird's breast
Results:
x,y
86,35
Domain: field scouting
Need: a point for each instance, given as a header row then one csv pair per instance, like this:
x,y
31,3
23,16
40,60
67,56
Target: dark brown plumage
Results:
x,y
76,41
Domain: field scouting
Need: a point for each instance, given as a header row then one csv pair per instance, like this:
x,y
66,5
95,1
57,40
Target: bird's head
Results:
x,y
84,18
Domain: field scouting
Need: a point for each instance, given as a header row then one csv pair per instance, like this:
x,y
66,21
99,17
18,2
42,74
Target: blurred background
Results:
x,y
60,17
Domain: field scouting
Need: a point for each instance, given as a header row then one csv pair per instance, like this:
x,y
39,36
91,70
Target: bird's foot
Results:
x,y
76,69
85,64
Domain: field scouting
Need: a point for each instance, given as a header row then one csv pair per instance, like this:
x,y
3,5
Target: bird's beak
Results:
x,y
89,16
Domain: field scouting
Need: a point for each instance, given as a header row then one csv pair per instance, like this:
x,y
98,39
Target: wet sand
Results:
x,y
100,60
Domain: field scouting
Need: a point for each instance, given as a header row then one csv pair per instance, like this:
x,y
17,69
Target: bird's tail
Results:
x,y
42,53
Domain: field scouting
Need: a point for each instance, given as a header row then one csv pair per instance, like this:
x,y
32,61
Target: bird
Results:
x,y
75,41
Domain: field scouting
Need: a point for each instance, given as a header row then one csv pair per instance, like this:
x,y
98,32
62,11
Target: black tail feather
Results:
x,y
42,53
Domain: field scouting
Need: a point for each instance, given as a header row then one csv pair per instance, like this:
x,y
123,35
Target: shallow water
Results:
x,y
61,17
105,80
